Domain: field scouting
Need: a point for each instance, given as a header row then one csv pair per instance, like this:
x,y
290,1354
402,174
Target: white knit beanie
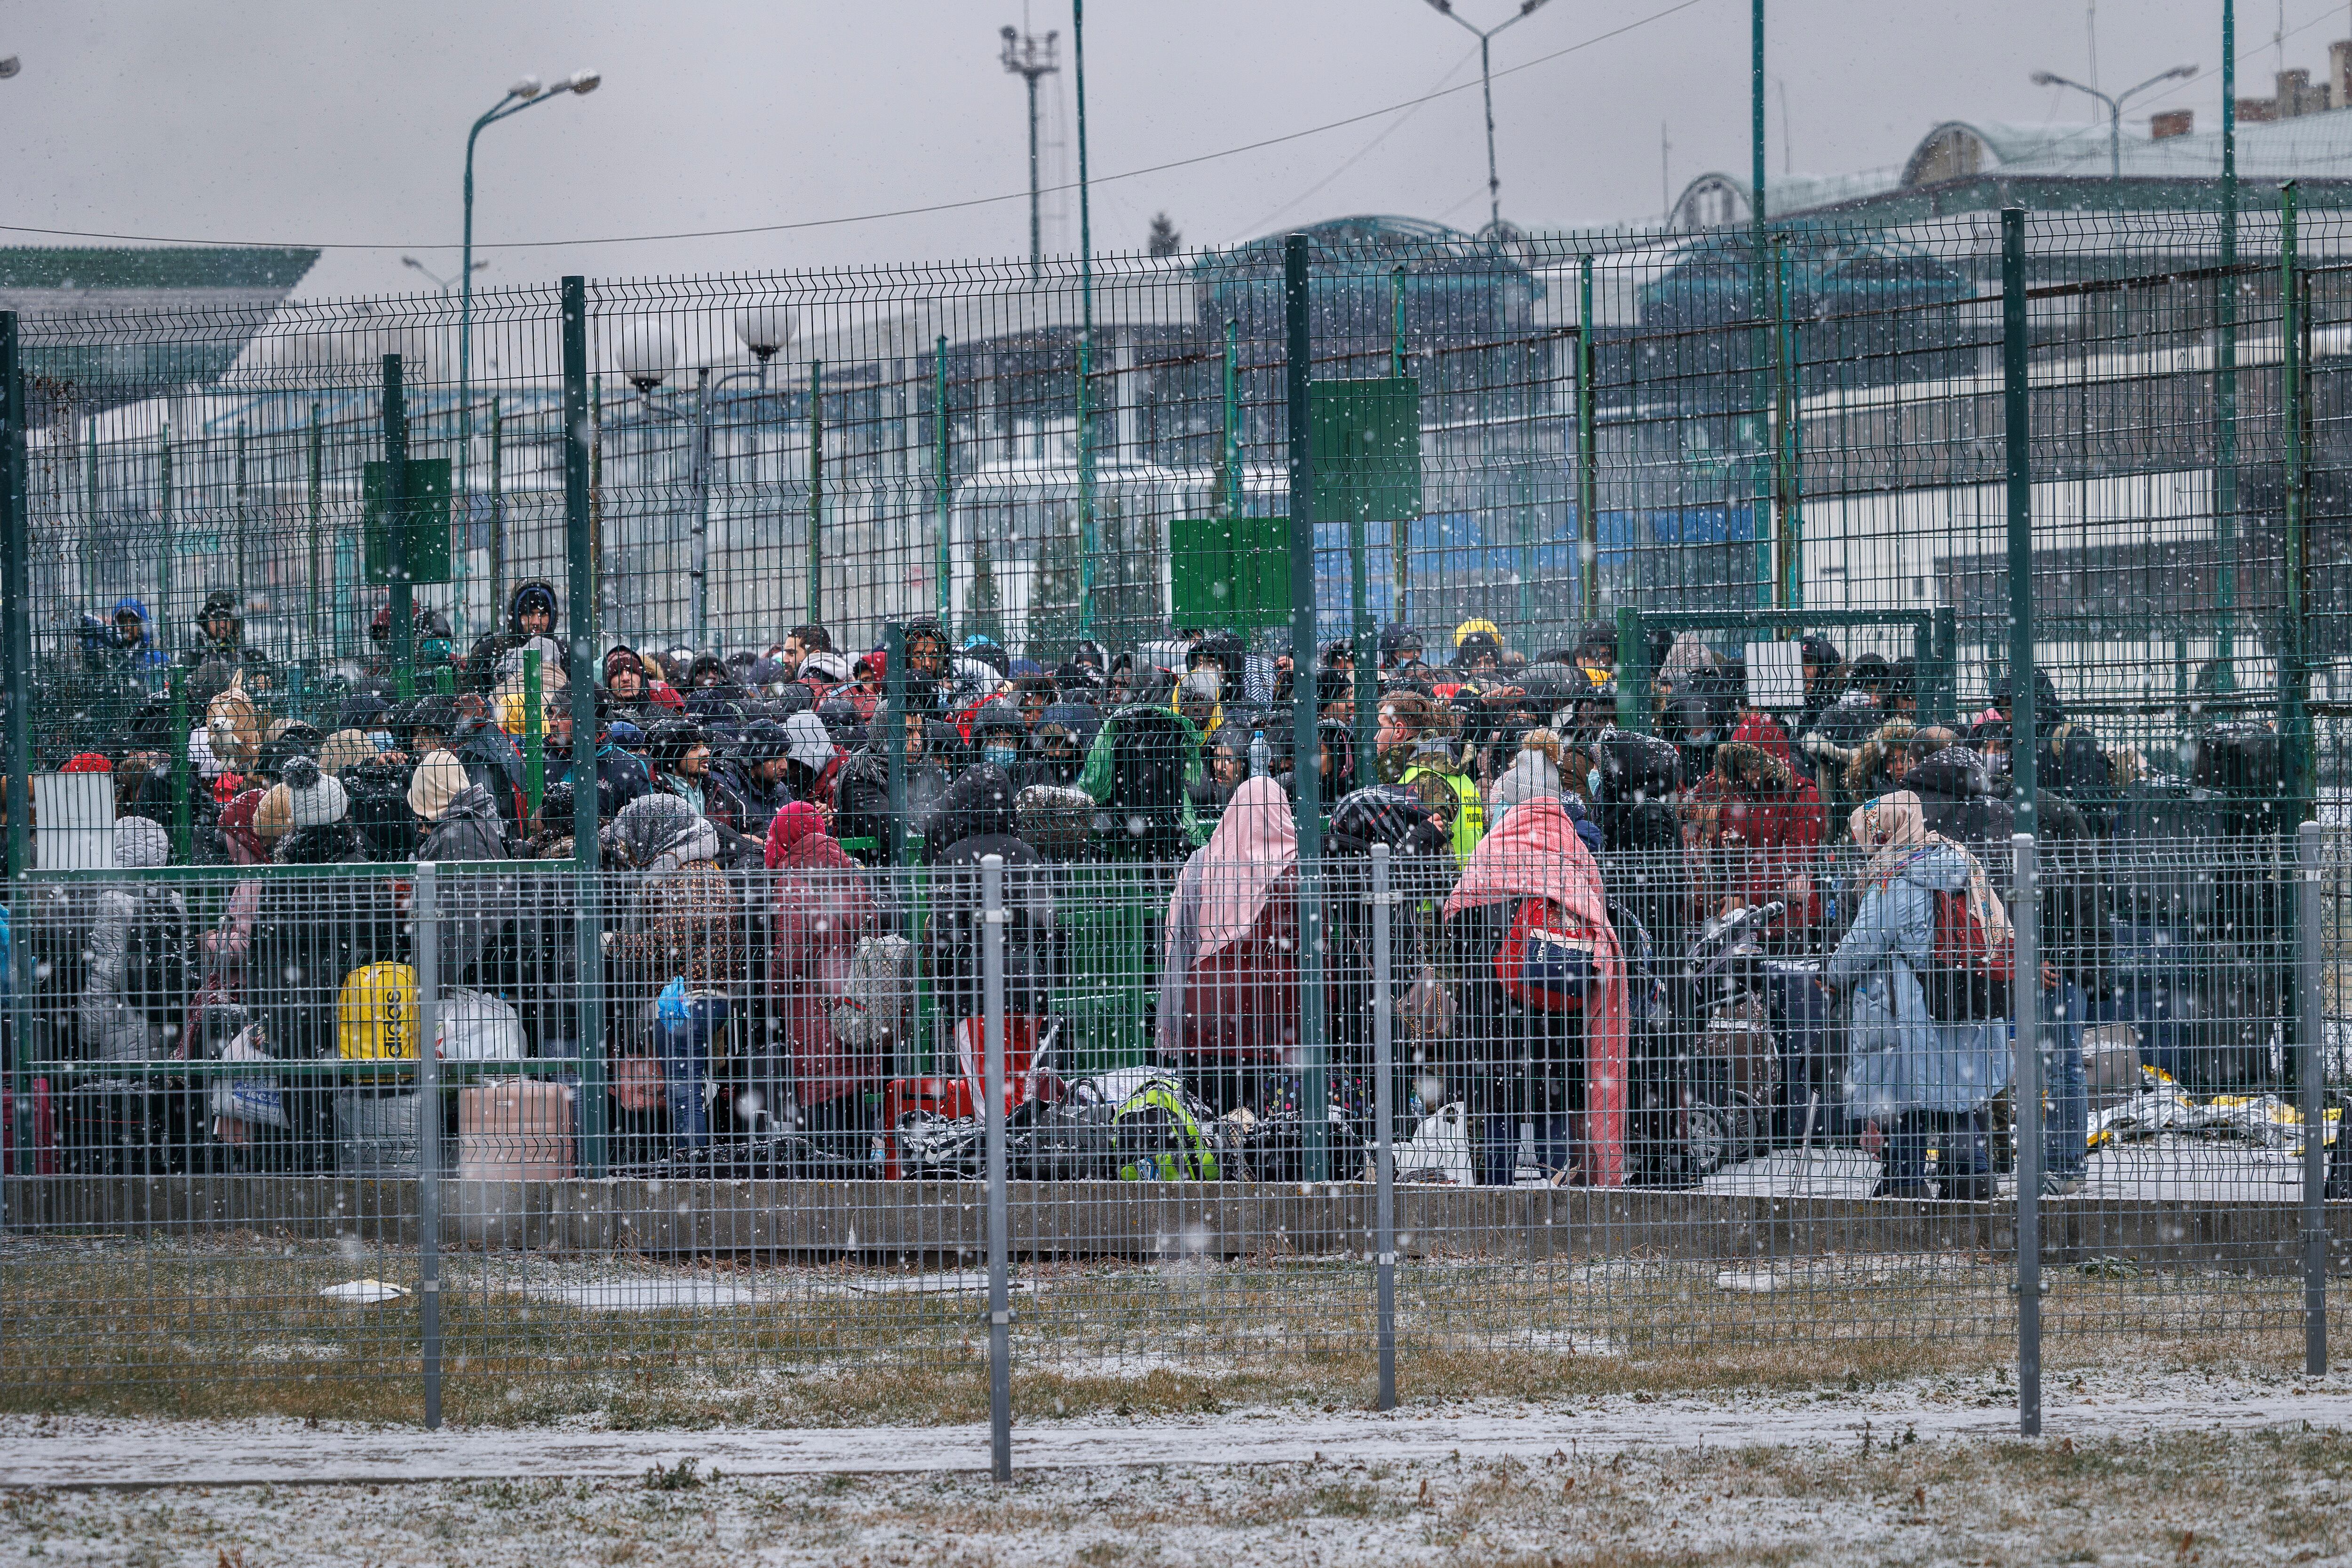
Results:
x,y
313,799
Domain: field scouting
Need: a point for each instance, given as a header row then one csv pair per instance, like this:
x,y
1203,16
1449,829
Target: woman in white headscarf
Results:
x,y
1915,1076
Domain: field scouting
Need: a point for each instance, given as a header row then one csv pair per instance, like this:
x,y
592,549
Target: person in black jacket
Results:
x,y
532,611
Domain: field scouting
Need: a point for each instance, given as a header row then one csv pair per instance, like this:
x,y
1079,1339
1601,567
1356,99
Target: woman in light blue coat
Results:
x,y
1918,1079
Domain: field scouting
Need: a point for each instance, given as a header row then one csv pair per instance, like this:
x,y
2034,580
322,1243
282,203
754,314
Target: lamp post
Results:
x,y
444,284
523,95
2115,106
646,356
1486,80
1023,58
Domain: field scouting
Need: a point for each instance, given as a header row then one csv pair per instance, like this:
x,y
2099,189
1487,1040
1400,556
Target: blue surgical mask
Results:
x,y
1002,756
380,739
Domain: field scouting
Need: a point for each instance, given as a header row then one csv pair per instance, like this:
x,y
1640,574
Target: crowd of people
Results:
x,y
760,954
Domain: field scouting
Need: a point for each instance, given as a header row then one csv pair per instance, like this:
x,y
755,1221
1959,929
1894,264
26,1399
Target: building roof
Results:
x,y
155,267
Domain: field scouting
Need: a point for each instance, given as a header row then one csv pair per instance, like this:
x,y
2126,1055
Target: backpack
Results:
x,y
1543,963
1148,764
156,981
375,1015
1969,977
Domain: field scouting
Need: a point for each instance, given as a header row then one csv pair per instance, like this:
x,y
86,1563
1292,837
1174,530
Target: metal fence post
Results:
x,y
894,730
1306,780
816,491
2025,997
2017,444
579,546
943,474
396,526
2311,1062
16,627
1000,1313
1587,451
2294,419
1383,1129
425,913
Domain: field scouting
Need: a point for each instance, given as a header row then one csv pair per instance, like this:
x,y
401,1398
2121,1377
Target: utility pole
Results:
x,y
1486,81
1024,57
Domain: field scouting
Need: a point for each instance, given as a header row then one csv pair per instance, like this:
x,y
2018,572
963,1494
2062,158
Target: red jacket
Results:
x,y
1761,823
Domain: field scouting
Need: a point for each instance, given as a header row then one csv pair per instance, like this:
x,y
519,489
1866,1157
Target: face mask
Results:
x,y
1002,756
380,739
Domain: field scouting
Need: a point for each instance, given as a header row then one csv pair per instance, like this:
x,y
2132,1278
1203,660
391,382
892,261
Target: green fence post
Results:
x,y
15,628
943,472
1085,491
894,735
165,622
579,553
15,566
89,589
1587,451
816,492
315,500
1788,471
497,518
396,526
183,784
1231,426
2294,416
534,726
2016,436
1306,784
238,516
1633,671
2225,370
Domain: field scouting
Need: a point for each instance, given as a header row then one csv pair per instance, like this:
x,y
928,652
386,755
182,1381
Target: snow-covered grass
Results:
x,y
214,1329
2275,1496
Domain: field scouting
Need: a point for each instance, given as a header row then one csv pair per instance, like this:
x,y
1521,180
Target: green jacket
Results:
x,y
1095,778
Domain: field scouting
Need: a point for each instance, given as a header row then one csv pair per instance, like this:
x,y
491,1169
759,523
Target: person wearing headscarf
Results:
x,y
820,909
1564,1071
1228,1014
1917,1078
681,922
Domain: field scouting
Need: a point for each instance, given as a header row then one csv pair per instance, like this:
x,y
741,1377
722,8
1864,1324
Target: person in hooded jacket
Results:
x,y
977,805
627,690
862,789
682,921
756,771
679,756
532,611
463,823
311,933
220,635
621,776
1915,1077
820,907
1759,828
1058,745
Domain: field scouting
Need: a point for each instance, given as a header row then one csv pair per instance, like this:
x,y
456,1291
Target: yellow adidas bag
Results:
x,y
375,1017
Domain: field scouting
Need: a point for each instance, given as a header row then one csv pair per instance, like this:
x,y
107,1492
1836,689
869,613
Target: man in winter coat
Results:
x,y
1760,825
862,789
756,774
532,612
220,635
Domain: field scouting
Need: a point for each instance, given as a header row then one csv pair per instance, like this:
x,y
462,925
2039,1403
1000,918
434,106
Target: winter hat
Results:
x,y
88,763
313,799
1530,775
274,815
439,780
343,749
140,843
805,741
829,668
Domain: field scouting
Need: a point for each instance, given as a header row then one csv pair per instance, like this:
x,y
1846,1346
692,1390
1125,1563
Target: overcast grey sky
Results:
x,y
302,122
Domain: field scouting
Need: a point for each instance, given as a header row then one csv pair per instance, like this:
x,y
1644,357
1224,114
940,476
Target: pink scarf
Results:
x,y
1255,842
1534,853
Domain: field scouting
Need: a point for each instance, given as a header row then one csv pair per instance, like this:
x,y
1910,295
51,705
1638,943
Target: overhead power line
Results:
x,y
1616,32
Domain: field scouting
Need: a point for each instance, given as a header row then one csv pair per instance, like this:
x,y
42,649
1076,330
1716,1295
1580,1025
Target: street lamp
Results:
x,y
524,93
2115,106
646,355
442,283
1486,79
